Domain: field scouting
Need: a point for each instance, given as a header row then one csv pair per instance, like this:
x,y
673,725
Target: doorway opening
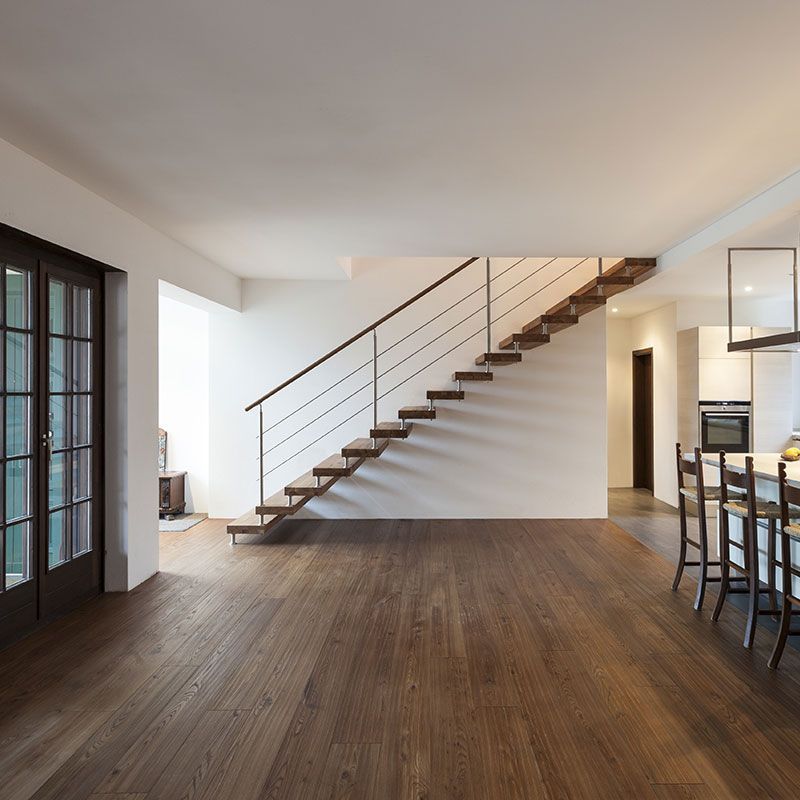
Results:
x,y
183,409
642,379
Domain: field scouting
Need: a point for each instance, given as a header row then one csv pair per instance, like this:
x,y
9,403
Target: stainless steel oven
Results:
x,y
725,426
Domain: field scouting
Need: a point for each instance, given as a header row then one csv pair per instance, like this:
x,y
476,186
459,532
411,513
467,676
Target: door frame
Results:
x,y
27,247
643,466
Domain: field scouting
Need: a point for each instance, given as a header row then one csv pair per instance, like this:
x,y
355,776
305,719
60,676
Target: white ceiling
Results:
x,y
275,137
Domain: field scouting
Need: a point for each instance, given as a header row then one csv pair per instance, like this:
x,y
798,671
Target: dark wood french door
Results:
x,y
50,438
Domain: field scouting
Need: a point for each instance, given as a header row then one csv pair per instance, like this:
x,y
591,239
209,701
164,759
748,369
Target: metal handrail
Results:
x,y
402,339
362,333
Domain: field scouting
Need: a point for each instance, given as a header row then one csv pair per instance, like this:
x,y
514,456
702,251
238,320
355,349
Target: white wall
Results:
x,y
41,201
620,397
657,330
183,394
513,448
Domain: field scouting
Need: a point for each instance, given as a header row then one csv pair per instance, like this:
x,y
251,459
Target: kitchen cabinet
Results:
x,y
724,379
712,341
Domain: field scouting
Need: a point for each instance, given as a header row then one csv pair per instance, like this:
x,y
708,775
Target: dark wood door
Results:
x,y
643,419
69,408
19,578
51,426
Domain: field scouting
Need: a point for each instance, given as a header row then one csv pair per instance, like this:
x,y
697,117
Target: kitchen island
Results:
x,y
765,466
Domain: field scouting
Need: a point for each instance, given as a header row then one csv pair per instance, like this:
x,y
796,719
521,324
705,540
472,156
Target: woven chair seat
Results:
x,y
765,509
690,492
793,531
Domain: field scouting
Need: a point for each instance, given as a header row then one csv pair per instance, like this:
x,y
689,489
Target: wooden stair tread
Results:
x,y
337,465
277,504
306,485
633,266
584,303
554,322
525,341
252,523
498,359
445,394
417,412
609,284
392,430
473,375
363,448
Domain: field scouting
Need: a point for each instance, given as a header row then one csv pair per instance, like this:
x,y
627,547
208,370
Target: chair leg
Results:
x,y
682,555
772,534
724,567
783,634
751,538
724,583
702,578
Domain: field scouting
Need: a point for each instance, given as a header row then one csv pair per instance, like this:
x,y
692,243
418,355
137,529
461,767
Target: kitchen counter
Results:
x,y
764,464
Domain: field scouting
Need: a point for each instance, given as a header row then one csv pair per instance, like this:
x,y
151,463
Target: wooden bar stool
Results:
x,y
789,496
750,510
699,494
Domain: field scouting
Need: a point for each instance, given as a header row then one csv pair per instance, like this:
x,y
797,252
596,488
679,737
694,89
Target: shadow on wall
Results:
x,y
514,448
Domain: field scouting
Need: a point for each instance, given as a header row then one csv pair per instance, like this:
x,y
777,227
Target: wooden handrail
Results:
x,y
364,332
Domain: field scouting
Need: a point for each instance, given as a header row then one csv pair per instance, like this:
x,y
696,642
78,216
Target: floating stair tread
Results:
x,y
525,341
337,465
363,448
583,304
445,394
473,376
554,322
253,523
392,430
498,359
634,266
610,285
306,485
277,504
417,412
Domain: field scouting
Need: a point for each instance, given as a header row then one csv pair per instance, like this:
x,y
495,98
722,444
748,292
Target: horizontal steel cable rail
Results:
x,y
377,376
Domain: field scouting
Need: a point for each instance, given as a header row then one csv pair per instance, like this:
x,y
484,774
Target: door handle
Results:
x,y
47,441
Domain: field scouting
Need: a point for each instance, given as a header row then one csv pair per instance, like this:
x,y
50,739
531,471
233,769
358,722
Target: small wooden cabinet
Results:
x,y
171,492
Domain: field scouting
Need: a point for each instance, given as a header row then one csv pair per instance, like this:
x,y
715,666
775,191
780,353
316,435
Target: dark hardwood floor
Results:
x,y
400,659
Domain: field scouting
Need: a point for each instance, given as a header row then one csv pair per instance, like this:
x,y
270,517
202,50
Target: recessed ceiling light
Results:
x,y
748,288
614,310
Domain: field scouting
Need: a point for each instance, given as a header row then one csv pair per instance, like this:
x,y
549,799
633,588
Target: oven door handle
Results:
x,y
726,413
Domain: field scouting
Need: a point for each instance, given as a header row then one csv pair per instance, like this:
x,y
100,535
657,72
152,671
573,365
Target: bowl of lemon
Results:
x,y
792,454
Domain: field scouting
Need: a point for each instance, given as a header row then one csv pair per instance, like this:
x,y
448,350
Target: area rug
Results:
x,y
182,522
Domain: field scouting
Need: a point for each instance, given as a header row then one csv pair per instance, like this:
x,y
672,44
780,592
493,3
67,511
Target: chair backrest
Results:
x,y
789,495
686,467
733,479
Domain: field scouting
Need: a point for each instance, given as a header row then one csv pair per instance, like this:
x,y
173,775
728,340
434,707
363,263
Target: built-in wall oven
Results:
x,y
725,426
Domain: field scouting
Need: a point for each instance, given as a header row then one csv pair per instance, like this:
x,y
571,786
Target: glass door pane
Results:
x,y
69,434
16,410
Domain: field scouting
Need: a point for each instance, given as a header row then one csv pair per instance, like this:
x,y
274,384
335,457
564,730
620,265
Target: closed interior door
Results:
x,y
50,455
643,419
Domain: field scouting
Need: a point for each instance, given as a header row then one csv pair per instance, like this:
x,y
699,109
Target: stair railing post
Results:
x,y
599,265
488,310
261,453
374,385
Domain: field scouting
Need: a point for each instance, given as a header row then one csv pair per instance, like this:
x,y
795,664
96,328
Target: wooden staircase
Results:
x,y
536,333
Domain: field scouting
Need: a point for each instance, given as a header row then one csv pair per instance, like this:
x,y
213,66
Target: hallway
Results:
x,y
400,659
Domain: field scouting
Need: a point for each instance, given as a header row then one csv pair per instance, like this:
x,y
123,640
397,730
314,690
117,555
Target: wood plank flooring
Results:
x,y
399,659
